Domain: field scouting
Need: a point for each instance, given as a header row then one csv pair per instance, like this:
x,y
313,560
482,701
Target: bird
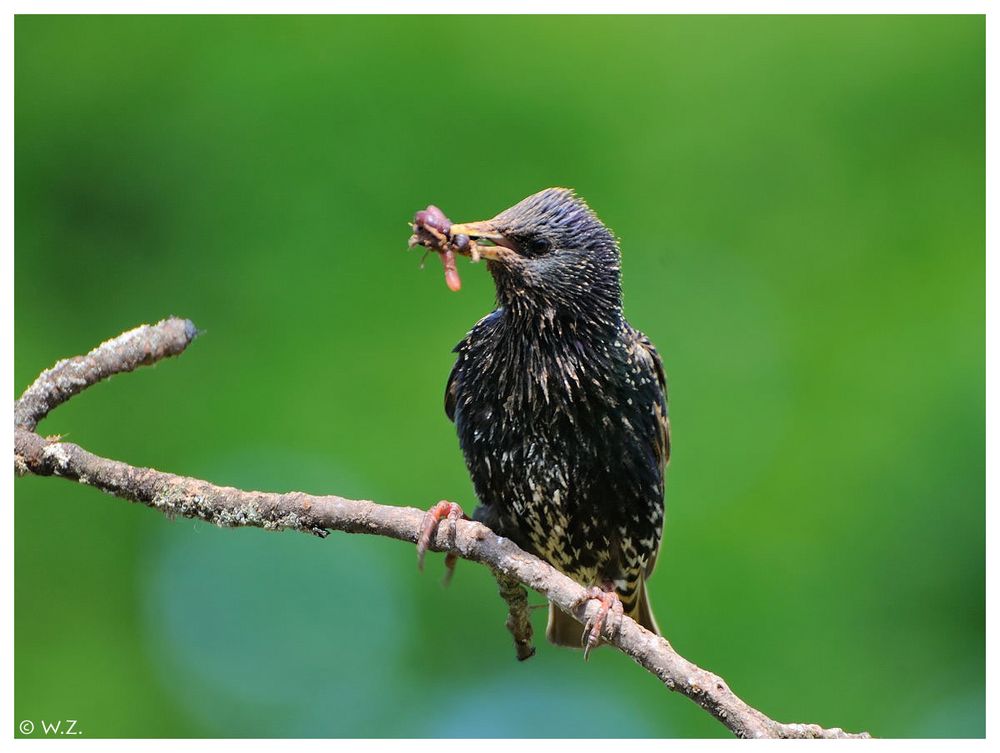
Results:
x,y
560,407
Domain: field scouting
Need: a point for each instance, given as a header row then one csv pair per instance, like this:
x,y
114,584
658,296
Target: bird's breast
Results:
x,y
556,444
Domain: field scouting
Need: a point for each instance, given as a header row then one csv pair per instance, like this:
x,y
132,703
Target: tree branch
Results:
x,y
225,506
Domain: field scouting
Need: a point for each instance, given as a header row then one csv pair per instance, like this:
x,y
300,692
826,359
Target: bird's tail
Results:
x,y
564,630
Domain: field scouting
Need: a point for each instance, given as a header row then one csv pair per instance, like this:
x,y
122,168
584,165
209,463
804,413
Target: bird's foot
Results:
x,y
610,604
443,510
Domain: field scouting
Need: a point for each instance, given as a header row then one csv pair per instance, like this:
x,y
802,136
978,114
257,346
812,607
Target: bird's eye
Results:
x,y
535,246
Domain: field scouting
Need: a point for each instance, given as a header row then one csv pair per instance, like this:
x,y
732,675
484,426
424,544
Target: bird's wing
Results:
x,y
451,392
661,442
661,438
454,378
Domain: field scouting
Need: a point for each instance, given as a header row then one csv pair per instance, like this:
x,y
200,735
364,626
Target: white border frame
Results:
x,y
469,7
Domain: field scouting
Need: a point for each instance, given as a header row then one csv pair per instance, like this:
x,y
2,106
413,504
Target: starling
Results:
x,y
561,410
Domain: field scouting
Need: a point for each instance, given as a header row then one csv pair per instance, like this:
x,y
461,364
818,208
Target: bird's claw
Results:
x,y
610,603
443,510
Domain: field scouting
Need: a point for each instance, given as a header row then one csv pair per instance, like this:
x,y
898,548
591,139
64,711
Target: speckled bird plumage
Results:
x,y
560,404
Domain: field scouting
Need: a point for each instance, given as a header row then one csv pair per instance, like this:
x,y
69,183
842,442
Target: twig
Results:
x,y
138,347
519,615
226,506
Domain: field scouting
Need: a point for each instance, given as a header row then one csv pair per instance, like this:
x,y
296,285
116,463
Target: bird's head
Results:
x,y
551,255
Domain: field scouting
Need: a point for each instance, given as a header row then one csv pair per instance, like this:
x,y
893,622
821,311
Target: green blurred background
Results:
x,y
801,207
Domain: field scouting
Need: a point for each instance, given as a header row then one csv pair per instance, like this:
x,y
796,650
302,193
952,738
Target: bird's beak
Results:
x,y
485,230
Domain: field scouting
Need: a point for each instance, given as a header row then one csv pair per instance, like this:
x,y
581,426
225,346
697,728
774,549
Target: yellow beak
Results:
x,y
484,230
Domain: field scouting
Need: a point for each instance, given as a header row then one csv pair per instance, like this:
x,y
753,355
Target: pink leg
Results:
x,y
610,603
443,510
